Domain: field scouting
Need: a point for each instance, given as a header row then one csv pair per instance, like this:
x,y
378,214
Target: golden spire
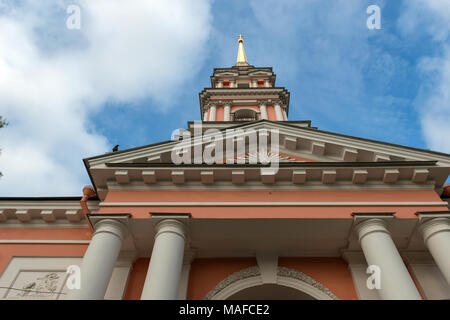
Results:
x,y
241,58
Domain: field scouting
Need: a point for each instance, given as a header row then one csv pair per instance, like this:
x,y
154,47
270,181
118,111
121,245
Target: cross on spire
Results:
x,y
241,59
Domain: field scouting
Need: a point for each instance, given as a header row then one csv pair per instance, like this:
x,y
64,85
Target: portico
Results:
x,y
168,238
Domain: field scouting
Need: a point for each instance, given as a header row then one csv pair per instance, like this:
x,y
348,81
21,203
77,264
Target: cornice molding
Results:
x,y
48,213
274,204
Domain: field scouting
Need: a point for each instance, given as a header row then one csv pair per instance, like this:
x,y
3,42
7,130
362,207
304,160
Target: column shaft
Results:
x,y
436,234
164,271
380,250
98,261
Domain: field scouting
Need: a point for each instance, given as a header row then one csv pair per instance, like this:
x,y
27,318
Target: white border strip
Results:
x,y
267,204
45,241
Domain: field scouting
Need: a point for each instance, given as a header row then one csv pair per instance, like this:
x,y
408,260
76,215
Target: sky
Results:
x,y
131,74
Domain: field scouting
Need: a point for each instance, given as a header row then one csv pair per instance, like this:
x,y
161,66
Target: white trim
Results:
x,y
266,204
257,185
46,241
238,286
44,205
268,267
40,223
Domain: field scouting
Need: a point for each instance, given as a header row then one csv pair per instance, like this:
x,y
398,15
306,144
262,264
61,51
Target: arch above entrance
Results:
x,y
244,279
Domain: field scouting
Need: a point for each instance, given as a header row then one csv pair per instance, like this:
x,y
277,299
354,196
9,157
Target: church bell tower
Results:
x,y
244,93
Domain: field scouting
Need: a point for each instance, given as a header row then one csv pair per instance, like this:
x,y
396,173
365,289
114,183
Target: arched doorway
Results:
x,y
290,285
270,292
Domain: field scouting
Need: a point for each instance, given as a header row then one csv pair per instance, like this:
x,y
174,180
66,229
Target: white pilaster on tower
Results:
x,y
226,112
212,113
278,111
263,110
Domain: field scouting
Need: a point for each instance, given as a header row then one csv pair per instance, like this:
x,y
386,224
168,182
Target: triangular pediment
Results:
x,y
307,144
227,74
259,73
304,156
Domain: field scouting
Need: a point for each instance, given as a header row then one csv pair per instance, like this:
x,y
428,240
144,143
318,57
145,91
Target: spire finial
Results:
x,y
241,58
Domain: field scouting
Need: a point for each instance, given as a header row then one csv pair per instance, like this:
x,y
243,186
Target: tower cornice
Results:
x,y
249,71
224,95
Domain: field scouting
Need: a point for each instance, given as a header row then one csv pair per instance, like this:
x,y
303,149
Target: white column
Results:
x,y
226,113
212,113
263,109
205,115
285,115
254,83
380,250
267,84
164,272
219,84
98,261
278,112
436,234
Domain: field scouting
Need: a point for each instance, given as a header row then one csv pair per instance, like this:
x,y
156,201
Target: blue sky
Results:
x,y
132,74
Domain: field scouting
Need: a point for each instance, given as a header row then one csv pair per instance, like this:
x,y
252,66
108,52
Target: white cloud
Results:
x,y
430,17
52,78
434,101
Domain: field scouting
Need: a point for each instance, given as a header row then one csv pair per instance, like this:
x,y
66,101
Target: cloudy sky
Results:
x,y
132,72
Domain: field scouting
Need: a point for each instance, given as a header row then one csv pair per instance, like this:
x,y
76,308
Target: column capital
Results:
x,y
370,225
433,226
213,104
171,226
276,102
116,226
261,102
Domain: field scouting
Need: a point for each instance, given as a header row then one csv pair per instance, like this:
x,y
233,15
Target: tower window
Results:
x,y
226,83
260,83
243,85
245,115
